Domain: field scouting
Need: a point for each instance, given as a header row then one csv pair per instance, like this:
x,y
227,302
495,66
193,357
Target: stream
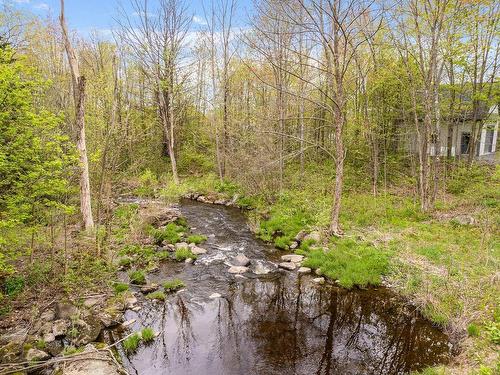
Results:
x,y
279,323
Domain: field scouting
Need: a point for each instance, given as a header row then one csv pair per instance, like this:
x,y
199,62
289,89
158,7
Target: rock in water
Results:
x,y
260,269
181,245
304,270
290,266
238,269
292,258
88,330
36,355
198,250
214,296
240,260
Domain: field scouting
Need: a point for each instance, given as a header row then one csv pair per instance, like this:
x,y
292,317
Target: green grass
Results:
x,y
473,330
170,234
40,344
349,262
147,334
125,262
70,350
158,295
120,287
196,239
131,343
183,254
137,277
172,285
14,285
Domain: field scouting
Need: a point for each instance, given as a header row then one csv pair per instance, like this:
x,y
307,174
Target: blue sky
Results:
x,y
88,15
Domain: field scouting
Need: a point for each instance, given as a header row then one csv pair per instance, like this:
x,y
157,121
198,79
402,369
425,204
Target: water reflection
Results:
x,y
282,324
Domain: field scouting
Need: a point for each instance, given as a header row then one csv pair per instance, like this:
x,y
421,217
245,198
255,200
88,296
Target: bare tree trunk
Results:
x,y
79,98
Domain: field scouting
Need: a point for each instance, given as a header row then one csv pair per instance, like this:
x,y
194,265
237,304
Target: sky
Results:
x,y
88,15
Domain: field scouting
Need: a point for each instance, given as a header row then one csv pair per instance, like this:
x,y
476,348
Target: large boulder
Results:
x,y
260,269
88,330
314,236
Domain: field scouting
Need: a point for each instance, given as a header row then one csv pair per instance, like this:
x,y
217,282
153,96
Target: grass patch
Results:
x,y
131,343
120,287
172,285
350,263
158,295
184,253
137,277
170,233
196,239
147,334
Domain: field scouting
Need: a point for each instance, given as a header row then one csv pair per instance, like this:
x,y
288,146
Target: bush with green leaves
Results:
x,y
120,287
170,234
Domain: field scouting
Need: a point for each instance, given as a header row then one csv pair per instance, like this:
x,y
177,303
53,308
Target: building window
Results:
x,y
488,143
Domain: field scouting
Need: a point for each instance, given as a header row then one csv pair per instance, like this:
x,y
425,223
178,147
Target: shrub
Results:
x,y
137,277
196,239
14,285
40,344
158,295
174,284
120,288
147,334
184,253
131,343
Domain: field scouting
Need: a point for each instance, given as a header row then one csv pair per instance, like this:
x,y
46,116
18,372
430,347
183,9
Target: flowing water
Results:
x,y
280,323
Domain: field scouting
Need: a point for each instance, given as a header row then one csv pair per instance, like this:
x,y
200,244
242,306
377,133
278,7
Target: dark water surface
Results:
x,y
280,323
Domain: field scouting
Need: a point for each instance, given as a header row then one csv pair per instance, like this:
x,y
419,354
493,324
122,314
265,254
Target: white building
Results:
x,y
458,136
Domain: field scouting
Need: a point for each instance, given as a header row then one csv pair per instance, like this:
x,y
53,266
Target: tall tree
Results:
x,y
78,85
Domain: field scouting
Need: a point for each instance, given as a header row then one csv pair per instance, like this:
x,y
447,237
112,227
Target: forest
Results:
x,y
358,137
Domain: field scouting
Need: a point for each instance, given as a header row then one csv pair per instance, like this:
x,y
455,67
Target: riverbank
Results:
x,y
444,262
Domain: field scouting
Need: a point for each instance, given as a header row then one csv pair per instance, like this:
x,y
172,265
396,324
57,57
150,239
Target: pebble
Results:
x,y
292,258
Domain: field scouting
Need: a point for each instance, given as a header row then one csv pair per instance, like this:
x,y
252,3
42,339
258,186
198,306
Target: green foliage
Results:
x,y
40,344
137,277
196,239
70,350
184,253
174,284
493,329
131,343
120,288
350,263
227,187
473,330
157,295
431,371
14,285
171,233
148,184
36,159
147,334
125,262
